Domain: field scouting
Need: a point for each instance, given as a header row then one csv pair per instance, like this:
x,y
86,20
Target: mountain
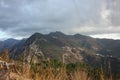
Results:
x,y
109,47
55,44
8,44
66,48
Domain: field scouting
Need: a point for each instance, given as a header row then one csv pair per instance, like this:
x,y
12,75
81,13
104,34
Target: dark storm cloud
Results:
x,y
90,17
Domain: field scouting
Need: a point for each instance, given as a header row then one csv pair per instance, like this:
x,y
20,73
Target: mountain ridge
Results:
x,y
51,45
67,48
77,40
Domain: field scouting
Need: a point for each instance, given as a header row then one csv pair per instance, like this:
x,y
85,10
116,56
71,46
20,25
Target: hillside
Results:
x,y
8,44
66,49
53,44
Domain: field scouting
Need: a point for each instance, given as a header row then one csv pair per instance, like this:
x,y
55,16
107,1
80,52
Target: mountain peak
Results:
x,y
81,36
57,33
37,34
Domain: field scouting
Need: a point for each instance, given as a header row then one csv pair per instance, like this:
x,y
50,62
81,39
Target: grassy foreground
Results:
x,y
55,70
50,70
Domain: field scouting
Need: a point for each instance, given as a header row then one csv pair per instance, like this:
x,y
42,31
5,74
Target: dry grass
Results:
x,y
53,74
50,73
79,75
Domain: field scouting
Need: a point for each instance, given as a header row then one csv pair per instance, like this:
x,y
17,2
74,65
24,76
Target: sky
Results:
x,y
96,18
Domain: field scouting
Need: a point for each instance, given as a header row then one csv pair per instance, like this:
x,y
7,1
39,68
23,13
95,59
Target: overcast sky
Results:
x,y
97,18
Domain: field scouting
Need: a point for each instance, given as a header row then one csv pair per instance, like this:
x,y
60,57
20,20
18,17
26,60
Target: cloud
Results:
x,y
115,13
110,36
23,18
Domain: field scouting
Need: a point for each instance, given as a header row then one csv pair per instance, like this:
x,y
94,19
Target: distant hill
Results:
x,y
109,47
8,44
